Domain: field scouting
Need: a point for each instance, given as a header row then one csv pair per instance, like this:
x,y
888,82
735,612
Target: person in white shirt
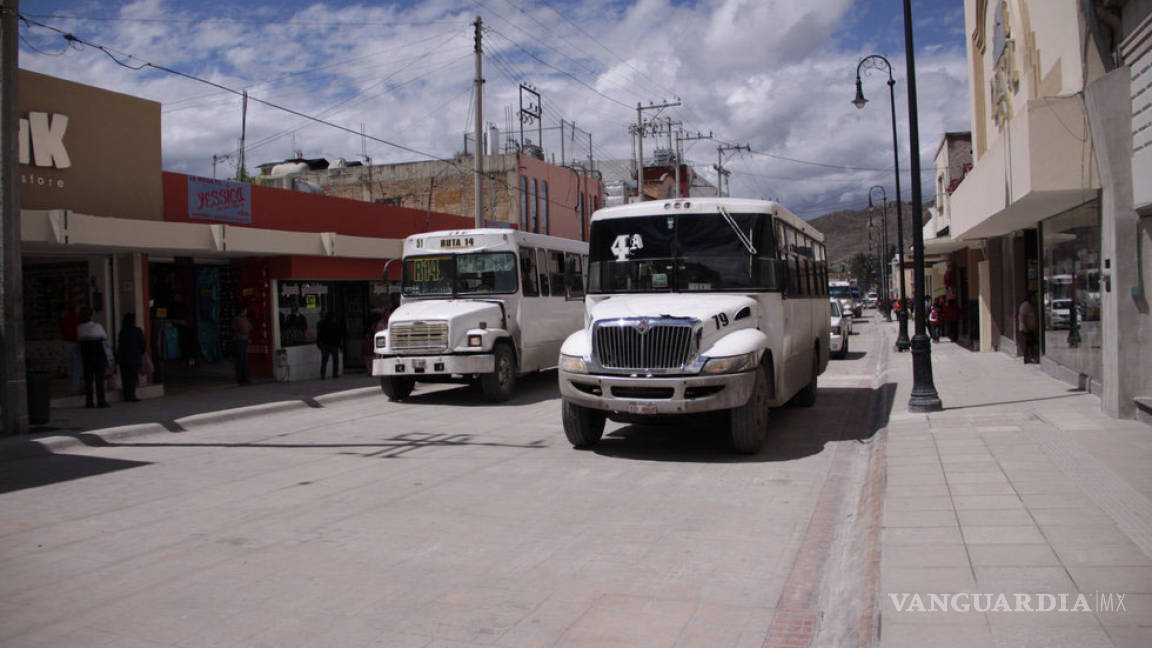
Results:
x,y
91,336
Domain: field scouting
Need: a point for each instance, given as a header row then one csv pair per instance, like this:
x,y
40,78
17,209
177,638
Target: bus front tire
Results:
x,y
499,385
396,388
749,423
582,425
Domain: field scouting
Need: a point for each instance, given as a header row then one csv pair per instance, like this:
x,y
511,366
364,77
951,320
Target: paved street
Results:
x,y
320,514
443,521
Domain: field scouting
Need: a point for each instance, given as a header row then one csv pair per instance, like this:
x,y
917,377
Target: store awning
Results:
x,y
60,230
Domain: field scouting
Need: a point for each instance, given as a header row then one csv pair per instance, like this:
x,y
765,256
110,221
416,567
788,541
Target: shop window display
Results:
x,y
1070,293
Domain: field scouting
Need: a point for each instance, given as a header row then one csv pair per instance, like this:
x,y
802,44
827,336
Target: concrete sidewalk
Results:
x,y
74,426
1020,486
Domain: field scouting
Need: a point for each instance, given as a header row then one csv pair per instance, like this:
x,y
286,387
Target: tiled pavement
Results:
x,y
1019,486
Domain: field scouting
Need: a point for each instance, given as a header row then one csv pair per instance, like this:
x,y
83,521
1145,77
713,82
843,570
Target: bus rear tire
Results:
x,y
499,385
749,423
396,388
582,425
807,397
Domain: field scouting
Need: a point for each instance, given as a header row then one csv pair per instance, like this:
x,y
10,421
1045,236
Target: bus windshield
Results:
x,y
681,253
484,273
840,291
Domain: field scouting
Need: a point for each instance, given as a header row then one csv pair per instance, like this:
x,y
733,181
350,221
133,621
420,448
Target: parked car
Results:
x,y
841,329
871,299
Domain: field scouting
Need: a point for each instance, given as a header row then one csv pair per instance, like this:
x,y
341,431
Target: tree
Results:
x,y
864,269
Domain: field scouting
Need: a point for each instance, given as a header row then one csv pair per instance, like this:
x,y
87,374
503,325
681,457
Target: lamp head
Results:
x,y
859,101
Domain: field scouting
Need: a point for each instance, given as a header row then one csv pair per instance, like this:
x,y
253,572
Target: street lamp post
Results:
x,y
874,61
883,256
924,397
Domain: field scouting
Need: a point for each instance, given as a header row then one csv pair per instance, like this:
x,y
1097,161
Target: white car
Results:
x,y
871,299
841,330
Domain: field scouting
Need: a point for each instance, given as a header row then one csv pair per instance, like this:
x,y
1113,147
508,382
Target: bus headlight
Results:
x,y
729,364
573,364
475,341
381,341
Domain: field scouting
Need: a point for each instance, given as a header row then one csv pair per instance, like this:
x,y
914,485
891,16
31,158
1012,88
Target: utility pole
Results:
x,y
243,134
13,385
721,172
639,130
681,137
478,157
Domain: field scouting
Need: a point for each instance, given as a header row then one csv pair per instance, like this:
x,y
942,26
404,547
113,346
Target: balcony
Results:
x,y
1041,165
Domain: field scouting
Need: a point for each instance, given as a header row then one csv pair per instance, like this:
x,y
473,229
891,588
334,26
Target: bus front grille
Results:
x,y
412,336
642,344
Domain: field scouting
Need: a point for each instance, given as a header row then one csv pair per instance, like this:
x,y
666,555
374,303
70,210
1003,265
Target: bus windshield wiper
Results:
x,y
736,228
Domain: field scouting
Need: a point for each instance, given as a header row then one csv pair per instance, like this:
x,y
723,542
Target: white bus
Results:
x,y
481,305
697,305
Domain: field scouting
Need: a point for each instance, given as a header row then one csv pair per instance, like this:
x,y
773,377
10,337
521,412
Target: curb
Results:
x,y
240,413
348,394
23,448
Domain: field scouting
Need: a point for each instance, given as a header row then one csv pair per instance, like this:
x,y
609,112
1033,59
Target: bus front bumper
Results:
x,y
433,365
657,395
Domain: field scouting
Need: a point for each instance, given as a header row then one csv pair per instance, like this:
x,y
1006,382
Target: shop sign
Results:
x,y
219,200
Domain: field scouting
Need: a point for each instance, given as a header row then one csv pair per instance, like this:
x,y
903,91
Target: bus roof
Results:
x,y
492,238
706,206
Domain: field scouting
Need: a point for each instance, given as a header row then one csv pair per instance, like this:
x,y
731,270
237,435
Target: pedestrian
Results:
x,y
934,321
329,339
368,346
130,350
1028,325
92,338
241,328
68,323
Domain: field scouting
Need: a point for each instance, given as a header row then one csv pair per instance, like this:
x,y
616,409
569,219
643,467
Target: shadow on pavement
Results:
x,y
530,389
840,414
50,469
389,447
1076,392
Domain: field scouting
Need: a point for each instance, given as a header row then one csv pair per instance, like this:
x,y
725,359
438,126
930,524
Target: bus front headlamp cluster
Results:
x,y
381,341
730,364
475,340
573,364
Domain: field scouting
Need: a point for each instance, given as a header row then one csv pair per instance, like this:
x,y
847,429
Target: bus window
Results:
x,y
542,273
556,272
528,271
575,275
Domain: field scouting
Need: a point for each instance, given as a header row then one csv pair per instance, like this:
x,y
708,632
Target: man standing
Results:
x,y
241,327
1027,325
92,337
329,339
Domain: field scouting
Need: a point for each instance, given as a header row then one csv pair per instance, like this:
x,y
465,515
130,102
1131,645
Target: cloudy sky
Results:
x,y
777,75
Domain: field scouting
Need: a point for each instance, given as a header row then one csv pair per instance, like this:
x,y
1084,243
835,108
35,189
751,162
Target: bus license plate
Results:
x,y
642,408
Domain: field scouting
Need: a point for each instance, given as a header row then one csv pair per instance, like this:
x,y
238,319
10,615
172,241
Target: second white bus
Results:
x,y
697,305
482,305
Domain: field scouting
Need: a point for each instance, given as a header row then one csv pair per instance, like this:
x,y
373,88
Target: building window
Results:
x,y
533,207
524,203
1070,292
544,207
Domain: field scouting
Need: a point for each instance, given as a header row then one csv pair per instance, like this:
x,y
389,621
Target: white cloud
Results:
x,y
774,74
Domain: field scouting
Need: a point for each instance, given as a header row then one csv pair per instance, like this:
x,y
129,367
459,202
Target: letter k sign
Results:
x,y
47,140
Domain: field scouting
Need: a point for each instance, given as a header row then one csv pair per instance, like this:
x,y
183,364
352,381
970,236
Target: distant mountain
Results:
x,y
846,232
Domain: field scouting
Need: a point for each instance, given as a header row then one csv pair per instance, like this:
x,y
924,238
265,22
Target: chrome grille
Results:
x,y
405,336
642,344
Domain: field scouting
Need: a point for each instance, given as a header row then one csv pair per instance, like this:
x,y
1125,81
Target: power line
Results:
x,y
235,21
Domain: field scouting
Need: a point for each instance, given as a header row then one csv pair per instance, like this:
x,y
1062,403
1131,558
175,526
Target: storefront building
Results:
x,y
104,227
1051,206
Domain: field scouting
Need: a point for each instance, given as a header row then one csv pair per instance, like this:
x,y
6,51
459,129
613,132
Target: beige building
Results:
x,y
1051,206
